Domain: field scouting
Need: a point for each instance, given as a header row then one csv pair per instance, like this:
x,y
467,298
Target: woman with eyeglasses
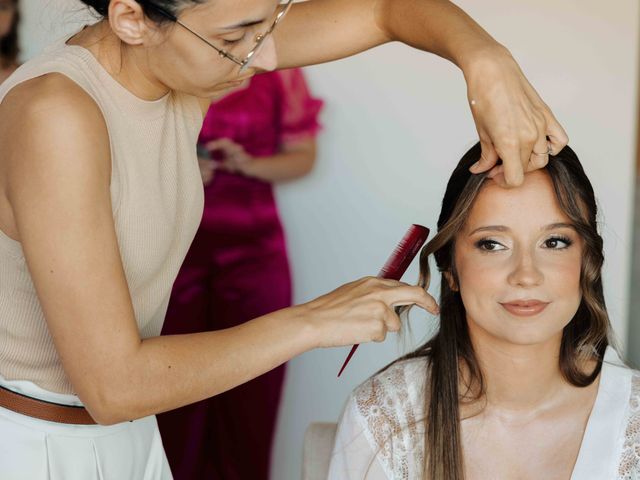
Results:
x,y
101,195
9,20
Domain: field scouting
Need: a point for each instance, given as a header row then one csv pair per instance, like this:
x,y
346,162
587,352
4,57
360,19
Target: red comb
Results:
x,y
398,262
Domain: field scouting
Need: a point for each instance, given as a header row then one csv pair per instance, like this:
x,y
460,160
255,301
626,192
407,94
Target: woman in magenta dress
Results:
x,y
237,268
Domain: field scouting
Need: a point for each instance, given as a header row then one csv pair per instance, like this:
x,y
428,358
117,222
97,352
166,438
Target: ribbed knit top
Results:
x,y
157,197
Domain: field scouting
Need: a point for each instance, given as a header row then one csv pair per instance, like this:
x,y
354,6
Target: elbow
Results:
x,y
306,171
109,406
104,418
307,167
111,392
105,413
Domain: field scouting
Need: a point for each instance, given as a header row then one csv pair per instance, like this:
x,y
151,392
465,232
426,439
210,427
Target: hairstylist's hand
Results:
x,y
234,157
512,120
362,311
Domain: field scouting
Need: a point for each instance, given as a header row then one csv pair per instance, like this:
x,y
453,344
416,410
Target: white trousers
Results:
x,y
33,449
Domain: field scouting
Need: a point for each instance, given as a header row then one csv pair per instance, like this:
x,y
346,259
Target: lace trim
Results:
x,y
385,404
630,459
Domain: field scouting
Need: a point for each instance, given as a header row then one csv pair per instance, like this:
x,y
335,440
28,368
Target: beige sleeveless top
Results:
x,y
157,196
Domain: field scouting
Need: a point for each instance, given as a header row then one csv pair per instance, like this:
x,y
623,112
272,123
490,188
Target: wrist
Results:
x,y
304,328
483,59
248,166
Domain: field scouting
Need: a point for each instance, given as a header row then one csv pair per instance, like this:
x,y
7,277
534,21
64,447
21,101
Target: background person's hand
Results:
x,y
234,158
207,169
362,311
512,120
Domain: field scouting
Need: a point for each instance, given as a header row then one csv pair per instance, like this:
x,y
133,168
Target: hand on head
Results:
x,y
513,122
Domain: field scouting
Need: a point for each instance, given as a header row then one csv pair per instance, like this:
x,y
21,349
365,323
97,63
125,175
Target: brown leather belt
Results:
x,y
52,412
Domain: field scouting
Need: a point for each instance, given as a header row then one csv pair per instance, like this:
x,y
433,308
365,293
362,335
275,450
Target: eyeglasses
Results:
x,y
247,61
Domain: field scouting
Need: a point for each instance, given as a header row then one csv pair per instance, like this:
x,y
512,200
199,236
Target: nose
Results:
x,y
526,271
266,58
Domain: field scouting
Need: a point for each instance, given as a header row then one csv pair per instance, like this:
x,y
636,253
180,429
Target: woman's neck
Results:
x,y
121,61
521,378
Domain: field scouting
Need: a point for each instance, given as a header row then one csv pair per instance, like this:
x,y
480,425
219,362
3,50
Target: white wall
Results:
x,y
46,20
396,122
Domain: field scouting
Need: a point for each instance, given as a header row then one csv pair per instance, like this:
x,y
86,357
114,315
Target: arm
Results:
x,y
321,31
293,161
58,176
511,119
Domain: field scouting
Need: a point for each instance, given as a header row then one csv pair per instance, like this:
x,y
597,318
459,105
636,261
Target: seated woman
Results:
x,y
520,381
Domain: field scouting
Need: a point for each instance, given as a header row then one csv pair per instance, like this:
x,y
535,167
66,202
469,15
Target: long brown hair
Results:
x,y
450,349
9,48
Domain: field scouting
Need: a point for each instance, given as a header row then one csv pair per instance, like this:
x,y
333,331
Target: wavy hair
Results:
x,y
450,351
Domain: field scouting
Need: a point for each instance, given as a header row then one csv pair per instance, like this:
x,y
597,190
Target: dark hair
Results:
x,y
9,48
450,351
157,10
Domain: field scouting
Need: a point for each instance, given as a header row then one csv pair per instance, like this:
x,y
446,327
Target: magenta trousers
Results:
x,y
236,270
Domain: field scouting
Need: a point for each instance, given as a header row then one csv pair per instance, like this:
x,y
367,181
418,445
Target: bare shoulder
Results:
x,y
49,119
52,133
49,107
48,93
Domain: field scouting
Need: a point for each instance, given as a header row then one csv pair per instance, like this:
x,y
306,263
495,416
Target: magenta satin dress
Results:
x,y
236,270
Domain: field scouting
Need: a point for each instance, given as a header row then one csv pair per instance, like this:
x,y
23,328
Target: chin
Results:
x,y
528,335
199,91
218,91
528,339
518,332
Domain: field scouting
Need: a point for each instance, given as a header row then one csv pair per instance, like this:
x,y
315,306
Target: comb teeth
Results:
x,y
404,252
398,262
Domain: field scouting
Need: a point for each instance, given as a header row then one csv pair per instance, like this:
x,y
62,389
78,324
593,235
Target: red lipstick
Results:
x,y
525,308
398,262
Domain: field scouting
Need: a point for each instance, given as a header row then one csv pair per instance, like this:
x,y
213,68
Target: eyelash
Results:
x,y
233,42
482,243
560,238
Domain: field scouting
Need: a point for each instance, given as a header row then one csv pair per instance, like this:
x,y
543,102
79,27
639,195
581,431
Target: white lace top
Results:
x,y
381,436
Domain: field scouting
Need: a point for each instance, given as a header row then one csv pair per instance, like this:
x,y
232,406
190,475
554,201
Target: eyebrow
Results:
x,y
245,24
502,228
